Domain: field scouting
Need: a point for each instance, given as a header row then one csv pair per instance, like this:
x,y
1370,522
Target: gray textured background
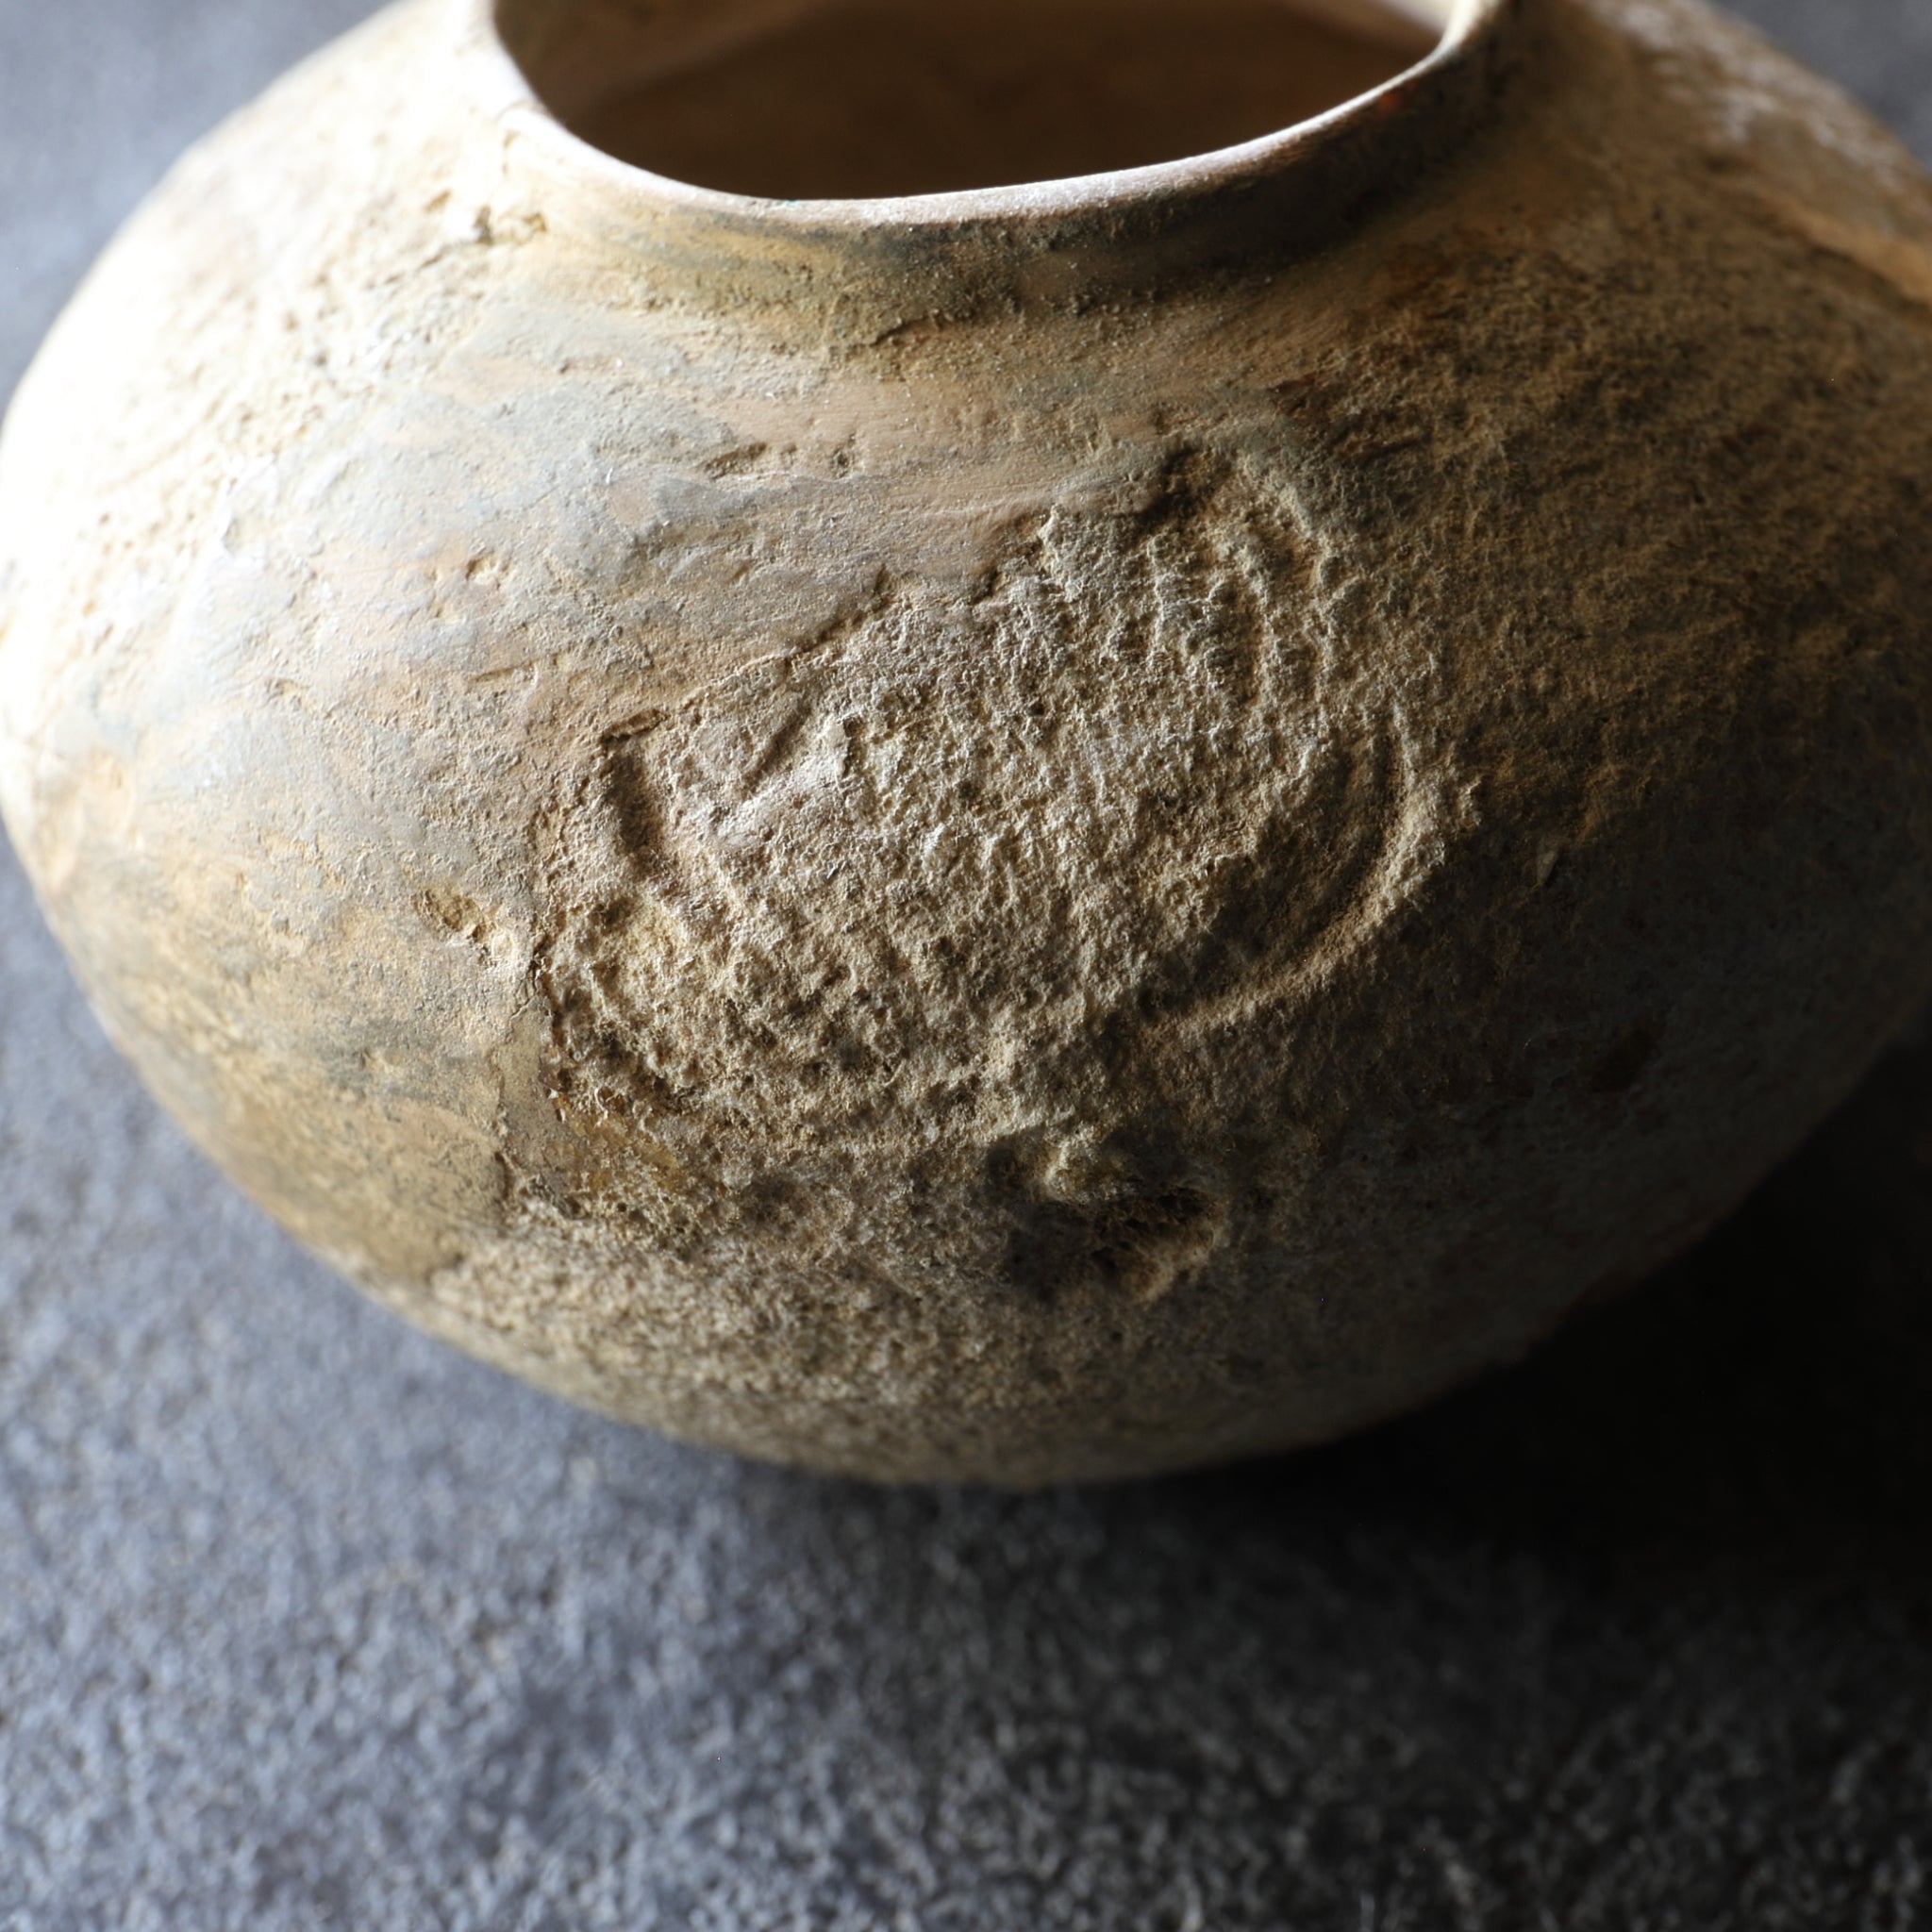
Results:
x,y
306,1623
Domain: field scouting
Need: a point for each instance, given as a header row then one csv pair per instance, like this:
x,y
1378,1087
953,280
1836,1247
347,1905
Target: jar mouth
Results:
x,y
589,81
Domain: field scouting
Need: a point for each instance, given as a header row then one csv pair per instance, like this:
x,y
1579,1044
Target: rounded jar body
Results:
x,y
1017,835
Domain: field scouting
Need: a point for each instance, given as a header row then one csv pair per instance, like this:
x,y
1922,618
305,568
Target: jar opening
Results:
x,y
867,99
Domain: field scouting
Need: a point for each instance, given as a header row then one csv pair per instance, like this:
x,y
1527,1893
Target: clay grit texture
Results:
x,y
1167,903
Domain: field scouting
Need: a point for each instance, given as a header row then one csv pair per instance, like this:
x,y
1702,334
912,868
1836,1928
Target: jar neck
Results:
x,y
863,268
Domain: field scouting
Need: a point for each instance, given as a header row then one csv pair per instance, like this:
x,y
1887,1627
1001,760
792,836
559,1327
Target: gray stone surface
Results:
x,y
306,1622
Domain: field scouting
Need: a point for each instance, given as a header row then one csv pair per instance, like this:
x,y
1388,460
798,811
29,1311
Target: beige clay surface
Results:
x,y
1028,835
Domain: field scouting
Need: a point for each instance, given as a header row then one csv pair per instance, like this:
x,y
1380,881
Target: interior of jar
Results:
x,y
857,99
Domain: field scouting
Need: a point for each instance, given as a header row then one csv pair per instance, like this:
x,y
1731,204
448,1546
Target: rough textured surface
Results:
x,y
305,1621
883,850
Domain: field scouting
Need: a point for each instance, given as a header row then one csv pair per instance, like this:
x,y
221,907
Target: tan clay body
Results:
x,y
1037,834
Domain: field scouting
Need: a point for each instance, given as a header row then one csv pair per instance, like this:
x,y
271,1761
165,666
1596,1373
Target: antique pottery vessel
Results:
x,y
940,826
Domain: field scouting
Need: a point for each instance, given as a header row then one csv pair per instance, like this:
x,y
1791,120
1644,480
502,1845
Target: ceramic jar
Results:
x,y
942,827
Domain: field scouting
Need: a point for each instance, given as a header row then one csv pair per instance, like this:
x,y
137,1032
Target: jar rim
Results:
x,y
1471,28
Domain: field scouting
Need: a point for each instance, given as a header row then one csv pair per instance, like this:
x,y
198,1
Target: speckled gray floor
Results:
x,y
305,1622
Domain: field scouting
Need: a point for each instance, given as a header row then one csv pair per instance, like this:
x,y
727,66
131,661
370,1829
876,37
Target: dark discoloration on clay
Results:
x,y
1031,886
